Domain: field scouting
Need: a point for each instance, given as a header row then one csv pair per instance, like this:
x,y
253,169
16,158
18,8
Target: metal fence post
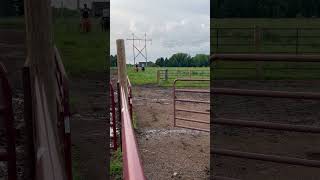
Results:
x,y
27,96
119,114
297,40
217,40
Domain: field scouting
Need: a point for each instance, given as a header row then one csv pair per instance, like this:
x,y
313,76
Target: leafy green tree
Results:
x,y
160,62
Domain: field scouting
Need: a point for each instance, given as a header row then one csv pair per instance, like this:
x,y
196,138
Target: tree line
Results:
x,y
176,60
265,8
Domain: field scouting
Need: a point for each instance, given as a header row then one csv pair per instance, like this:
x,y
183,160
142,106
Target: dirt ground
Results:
x,y
301,145
89,127
167,152
88,105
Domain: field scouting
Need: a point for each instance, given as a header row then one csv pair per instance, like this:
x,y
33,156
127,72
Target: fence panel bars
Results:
x,y
271,94
175,109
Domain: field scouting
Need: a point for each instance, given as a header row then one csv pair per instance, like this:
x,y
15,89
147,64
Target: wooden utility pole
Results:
x,y
122,66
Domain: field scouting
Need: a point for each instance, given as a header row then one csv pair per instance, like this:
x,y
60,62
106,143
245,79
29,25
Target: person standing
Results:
x,y
85,22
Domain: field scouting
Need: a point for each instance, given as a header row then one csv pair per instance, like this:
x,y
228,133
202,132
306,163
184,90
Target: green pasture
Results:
x,y
149,76
83,54
282,36
273,40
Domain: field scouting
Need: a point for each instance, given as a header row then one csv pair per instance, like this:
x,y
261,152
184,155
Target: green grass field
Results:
x,y
83,54
286,39
149,76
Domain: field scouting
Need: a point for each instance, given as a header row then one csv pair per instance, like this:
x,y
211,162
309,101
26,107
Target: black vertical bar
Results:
x,y
30,160
119,113
217,40
297,41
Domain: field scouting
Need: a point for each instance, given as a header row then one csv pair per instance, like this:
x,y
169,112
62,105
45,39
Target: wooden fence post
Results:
x,y
158,76
122,66
39,41
166,75
40,48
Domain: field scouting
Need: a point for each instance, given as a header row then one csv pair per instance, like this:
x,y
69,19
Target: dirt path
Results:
x,y
167,152
301,145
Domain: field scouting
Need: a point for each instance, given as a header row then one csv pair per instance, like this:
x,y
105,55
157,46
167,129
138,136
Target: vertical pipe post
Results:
x,y
9,125
30,158
119,114
297,40
174,103
217,40
114,128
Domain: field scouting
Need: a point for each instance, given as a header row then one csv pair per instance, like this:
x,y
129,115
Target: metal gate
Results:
x,y
265,125
6,122
191,123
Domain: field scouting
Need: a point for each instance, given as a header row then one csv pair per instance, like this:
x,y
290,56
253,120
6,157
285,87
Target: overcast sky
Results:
x,y
174,26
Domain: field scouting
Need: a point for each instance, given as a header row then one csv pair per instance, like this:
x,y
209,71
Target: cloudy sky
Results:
x,y
174,26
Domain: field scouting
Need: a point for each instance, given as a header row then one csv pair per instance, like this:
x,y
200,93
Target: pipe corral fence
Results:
x,y
115,111
172,74
52,143
7,123
132,163
265,125
181,118
262,39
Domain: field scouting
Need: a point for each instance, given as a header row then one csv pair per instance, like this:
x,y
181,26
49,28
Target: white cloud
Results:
x,y
174,25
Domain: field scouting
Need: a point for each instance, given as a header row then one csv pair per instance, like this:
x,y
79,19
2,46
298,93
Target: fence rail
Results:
x,y
7,119
165,74
261,39
266,125
132,165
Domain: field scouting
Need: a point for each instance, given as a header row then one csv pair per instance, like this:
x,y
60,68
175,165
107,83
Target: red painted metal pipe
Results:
x,y
9,124
130,98
113,111
132,165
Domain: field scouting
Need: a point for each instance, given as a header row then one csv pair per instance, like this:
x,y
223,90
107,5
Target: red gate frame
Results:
x,y
10,155
175,118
